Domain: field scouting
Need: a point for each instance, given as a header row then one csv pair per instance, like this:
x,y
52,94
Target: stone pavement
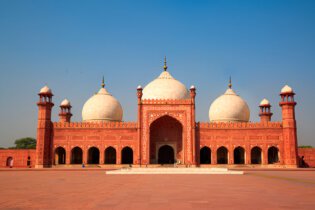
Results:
x,y
93,189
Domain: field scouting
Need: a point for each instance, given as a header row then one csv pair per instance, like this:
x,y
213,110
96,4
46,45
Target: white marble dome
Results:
x,y
264,102
102,106
229,107
65,102
45,89
165,87
286,89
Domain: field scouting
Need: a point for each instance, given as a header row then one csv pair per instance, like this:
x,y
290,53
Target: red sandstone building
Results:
x,y
165,132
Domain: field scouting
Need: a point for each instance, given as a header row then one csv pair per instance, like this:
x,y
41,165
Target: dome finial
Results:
x,y
230,83
103,84
165,66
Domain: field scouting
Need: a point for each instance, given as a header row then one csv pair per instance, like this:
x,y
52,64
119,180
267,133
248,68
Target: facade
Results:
x,y
166,131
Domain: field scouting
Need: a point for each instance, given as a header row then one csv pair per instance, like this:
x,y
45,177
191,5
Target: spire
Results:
x,y
230,83
103,84
165,66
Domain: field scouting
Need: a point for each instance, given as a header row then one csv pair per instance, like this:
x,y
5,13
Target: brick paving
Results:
x,y
93,189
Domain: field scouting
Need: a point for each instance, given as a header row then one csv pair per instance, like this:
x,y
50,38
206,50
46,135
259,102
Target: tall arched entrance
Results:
x,y
60,155
255,155
166,155
126,155
239,155
110,155
93,156
205,155
76,155
222,155
166,131
273,155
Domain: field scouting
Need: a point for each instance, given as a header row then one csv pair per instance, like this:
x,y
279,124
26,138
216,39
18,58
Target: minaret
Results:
x,y
265,113
139,118
65,111
289,126
44,129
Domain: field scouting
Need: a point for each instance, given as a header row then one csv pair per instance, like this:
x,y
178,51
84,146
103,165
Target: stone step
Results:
x,y
174,171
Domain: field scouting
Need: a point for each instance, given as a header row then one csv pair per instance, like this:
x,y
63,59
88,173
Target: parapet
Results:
x,y
117,125
238,125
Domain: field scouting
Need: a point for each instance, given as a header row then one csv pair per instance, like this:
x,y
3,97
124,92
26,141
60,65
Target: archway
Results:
x,y
60,155
166,130
126,155
255,155
110,155
273,155
239,155
76,155
9,162
205,155
222,155
28,163
166,155
93,156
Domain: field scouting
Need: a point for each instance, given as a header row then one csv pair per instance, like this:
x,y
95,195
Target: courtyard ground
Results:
x,y
93,189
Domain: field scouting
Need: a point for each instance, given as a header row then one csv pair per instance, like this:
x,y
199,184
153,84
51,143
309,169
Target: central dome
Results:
x,y
165,87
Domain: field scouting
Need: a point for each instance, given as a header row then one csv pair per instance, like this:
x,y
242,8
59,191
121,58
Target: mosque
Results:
x,y
166,130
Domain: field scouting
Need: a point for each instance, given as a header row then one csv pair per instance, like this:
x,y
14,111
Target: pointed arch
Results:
x,y
205,155
222,155
93,155
239,155
273,155
255,155
110,155
126,155
76,155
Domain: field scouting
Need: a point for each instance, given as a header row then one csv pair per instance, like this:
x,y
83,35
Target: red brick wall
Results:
x,y
20,157
309,156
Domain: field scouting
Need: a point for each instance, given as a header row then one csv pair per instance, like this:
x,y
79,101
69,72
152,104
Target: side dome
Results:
x,y
102,106
229,107
165,87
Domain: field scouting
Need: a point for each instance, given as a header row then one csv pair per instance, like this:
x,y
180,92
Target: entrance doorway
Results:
x,y
256,155
110,155
166,155
273,156
164,131
76,155
239,155
60,156
10,162
222,155
126,155
94,156
205,155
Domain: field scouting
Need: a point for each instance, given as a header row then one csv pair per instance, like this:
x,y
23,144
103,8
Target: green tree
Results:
x,y
25,143
305,146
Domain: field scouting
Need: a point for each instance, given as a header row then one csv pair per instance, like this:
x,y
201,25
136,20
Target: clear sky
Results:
x,y
70,45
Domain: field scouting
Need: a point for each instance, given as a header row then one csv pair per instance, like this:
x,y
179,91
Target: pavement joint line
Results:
x,y
283,178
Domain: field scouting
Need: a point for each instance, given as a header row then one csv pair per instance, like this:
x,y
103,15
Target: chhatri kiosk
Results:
x,y
166,130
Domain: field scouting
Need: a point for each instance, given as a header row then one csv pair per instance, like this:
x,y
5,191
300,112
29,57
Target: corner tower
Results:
x,y
44,129
289,126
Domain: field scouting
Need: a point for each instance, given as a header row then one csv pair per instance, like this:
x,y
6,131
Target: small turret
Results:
x,y
65,111
265,112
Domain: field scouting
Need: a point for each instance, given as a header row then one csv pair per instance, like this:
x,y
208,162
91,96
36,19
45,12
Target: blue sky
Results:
x,y
70,45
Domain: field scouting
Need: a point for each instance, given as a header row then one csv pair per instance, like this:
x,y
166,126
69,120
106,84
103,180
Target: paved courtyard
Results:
x,y
93,189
